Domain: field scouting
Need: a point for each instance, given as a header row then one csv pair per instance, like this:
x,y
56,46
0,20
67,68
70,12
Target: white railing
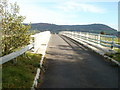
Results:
x,y
40,45
39,40
93,37
13,55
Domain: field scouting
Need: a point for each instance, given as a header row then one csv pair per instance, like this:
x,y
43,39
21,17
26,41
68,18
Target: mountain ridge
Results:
x,y
54,28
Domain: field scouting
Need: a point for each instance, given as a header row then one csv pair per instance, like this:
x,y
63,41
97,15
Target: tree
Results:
x,y
14,33
102,32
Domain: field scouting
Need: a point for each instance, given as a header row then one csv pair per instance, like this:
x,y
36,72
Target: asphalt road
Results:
x,y
71,65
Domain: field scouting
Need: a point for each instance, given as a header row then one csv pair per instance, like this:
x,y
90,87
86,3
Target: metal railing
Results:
x,y
104,40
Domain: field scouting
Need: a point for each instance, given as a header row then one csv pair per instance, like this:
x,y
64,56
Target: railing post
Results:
x,y
15,60
99,39
73,34
87,35
112,43
80,35
70,34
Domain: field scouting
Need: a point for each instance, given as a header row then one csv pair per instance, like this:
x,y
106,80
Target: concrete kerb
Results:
x,y
41,62
102,53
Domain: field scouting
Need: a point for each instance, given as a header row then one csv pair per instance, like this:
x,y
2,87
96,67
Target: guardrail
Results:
x,y
43,43
39,43
39,39
13,55
104,40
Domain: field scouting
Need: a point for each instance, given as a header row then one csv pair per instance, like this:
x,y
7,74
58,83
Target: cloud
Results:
x,y
41,13
75,6
37,13
60,11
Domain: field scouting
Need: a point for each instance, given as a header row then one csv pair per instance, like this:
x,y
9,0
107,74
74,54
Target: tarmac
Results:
x,y
72,65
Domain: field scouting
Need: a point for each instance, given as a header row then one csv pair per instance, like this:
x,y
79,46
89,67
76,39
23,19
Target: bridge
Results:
x,y
70,64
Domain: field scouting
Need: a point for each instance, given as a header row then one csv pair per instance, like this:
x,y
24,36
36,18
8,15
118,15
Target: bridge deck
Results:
x,y
71,65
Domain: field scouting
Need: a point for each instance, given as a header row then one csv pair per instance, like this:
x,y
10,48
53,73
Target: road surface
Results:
x,y
71,65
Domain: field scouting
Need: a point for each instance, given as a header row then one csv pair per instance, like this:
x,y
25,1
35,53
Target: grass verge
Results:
x,y
115,56
20,74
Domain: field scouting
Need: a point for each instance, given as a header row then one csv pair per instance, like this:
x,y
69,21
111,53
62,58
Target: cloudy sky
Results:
x,y
70,12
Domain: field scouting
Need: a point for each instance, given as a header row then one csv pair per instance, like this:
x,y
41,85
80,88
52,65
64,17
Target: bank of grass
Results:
x,y
115,56
20,74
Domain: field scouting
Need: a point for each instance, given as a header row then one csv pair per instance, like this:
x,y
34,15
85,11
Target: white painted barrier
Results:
x,y
43,43
40,41
94,46
92,37
13,55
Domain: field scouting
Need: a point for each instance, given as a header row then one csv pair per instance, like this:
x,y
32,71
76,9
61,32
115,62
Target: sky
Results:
x,y
70,12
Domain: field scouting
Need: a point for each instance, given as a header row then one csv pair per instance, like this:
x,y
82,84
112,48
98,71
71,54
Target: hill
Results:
x,y
94,28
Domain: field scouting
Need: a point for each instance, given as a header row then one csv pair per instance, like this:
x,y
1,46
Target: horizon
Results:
x,y
72,24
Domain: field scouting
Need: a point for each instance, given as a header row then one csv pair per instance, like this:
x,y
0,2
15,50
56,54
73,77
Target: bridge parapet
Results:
x,y
39,44
107,41
40,41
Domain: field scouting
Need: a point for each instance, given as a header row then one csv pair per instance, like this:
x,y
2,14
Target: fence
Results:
x,y
104,40
36,44
13,55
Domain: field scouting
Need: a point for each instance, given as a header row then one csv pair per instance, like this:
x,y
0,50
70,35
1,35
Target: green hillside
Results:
x,y
94,28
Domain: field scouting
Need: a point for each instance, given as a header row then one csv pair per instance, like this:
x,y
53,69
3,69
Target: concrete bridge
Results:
x,y
70,64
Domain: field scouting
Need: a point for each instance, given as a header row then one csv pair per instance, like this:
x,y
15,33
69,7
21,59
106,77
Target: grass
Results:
x,y
20,74
115,56
116,40
108,39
